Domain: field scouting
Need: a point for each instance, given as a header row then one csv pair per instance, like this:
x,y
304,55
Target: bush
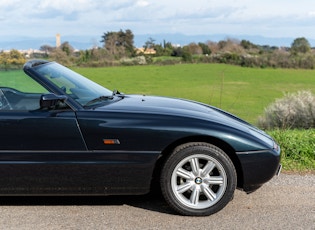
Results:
x,y
296,110
297,148
11,60
187,57
139,60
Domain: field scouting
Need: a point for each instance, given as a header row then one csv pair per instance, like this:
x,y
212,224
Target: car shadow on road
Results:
x,y
151,202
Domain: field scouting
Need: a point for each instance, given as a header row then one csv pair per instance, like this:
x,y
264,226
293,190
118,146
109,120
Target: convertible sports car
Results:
x,y
62,134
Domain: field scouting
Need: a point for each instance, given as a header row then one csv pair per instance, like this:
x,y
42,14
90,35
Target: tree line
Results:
x,y
118,49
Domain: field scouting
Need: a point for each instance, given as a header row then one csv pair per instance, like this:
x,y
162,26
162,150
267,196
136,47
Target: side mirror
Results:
x,y
49,101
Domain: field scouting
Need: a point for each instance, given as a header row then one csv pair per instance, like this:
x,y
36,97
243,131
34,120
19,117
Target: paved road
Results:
x,y
286,202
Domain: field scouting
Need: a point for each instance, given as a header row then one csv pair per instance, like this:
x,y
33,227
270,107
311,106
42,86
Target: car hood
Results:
x,y
175,107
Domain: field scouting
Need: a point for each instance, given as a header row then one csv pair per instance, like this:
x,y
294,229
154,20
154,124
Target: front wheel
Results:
x,y
198,179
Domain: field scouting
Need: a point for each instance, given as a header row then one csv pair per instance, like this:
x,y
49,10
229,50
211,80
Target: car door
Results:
x,y
41,150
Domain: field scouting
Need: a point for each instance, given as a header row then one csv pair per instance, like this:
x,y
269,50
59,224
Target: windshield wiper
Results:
x,y
101,98
117,93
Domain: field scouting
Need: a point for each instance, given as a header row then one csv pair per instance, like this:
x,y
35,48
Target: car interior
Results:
x,y
12,99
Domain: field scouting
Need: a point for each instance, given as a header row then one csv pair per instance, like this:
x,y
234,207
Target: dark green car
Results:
x,y
62,134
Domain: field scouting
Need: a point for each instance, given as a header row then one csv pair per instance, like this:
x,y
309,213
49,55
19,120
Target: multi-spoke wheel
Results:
x,y
198,179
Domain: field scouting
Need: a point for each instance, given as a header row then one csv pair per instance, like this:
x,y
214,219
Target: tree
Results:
x,y
110,40
127,40
46,48
67,48
205,48
300,45
247,44
230,45
149,44
183,53
61,57
193,48
119,44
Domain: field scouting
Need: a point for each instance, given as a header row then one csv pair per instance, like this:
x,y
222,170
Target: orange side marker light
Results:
x,y
111,141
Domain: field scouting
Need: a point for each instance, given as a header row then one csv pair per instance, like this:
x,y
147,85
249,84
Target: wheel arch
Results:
x,y
228,149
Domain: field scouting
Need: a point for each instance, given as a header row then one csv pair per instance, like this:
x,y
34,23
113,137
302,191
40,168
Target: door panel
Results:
x,y
39,151
39,130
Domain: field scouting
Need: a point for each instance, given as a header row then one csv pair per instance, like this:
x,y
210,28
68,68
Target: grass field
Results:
x,y
244,92
297,149
16,79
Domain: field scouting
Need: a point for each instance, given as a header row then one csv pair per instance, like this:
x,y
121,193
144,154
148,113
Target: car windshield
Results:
x,y
81,89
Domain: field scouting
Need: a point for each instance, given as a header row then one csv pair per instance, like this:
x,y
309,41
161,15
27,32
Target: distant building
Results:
x,y
58,41
145,51
29,53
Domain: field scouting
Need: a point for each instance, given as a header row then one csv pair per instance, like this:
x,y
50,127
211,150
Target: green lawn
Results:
x,y
242,91
17,79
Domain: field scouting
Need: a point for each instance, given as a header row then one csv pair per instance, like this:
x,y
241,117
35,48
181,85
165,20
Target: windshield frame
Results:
x,y
83,89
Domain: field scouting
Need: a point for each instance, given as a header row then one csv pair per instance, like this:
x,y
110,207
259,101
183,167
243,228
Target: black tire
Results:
x,y
198,179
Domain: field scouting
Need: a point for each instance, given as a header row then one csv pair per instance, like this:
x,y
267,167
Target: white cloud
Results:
x,y
142,3
66,6
6,3
268,18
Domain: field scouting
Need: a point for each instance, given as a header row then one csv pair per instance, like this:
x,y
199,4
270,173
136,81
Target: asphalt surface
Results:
x,y
286,202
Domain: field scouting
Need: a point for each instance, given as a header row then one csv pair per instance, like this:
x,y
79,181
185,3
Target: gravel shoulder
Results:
x,y
285,202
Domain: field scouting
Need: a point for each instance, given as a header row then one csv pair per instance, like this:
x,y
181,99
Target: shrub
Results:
x,y
187,57
139,60
11,60
296,110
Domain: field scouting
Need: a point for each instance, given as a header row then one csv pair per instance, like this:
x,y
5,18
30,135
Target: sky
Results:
x,y
269,18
